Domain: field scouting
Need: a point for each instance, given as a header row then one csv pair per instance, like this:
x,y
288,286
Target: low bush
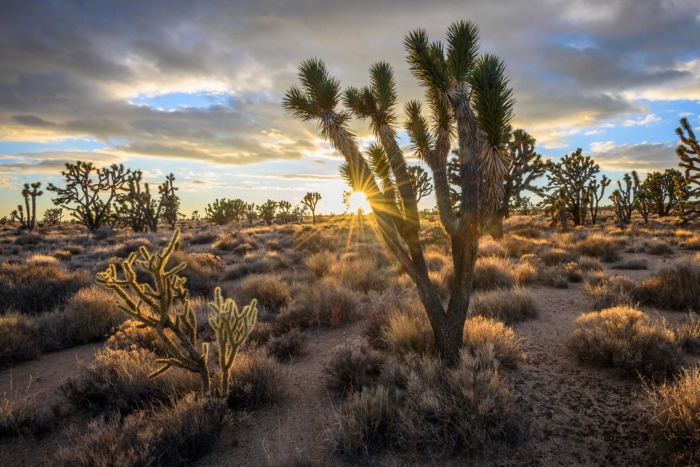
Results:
x,y
361,274
35,288
202,271
676,408
407,330
19,338
168,436
509,306
600,246
608,292
256,380
288,345
324,303
658,247
625,338
132,245
483,333
28,416
270,291
632,264
493,273
688,333
321,263
353,366
675,287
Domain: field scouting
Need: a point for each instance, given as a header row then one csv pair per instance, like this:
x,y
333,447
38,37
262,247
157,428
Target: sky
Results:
x,y
195,88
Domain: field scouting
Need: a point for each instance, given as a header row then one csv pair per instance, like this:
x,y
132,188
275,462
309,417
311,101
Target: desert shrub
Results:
x,y
89,315
423,406
361,274
353,366
103,233
202,271
675,287
573,272
42,260
517,246
74,249
600,246
27,416
493,273
202,238
256,380
676,407
526,273
589,263
632,264
19,338
320,263
132,245
174,435
270,291
117,381
325,303
435,261
34,288
612,291
28,238
131,335
658,247
553,256
407,330
490,248
509,306
63,255
481,333
288,345
362,423
688,333
625,338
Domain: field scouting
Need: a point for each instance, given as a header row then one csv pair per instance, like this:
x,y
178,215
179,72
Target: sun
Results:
x,y
358,200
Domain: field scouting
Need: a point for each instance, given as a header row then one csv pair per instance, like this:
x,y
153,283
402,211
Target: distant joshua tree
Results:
x,y
471,103
267,210
574,173
284,207
29,191
53,216
310,201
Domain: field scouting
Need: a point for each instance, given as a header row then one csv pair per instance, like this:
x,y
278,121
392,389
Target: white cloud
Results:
x,y
645,121
594,132
602,146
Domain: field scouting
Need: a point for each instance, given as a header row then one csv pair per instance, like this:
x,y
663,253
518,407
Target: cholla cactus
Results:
x,y
153,308
231,328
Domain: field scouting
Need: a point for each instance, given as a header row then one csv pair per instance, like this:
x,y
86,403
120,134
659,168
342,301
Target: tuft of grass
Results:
x,y
676,408
175,435
658,247
633,264
509,306
688,333
600,246
589,263
493,273
256,380
407,330
28,416
483,333
675,287
270,291
354,366
324,303
320,263
361,274
611,291
288,345
625,338
19,338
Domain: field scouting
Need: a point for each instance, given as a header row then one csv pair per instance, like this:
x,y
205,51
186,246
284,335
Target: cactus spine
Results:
x,y
231,328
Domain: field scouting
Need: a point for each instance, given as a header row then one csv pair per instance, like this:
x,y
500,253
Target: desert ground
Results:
x,y
339,319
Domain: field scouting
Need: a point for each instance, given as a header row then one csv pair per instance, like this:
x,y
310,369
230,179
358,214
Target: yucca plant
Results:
x,y
470,104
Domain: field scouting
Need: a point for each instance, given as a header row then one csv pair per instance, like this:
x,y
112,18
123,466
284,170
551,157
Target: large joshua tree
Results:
x,y
470,104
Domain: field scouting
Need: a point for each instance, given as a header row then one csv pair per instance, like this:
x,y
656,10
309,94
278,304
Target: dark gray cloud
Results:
x,y
643,157
70,69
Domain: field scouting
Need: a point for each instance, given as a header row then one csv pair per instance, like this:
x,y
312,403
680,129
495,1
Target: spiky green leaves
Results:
x,y
418,130
319,92
377,100
492,100
462,49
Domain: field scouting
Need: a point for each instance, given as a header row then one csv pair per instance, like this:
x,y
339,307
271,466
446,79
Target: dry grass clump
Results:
x,y
526,273
553,256
270,291
589,263
28,238
117,381
28,416
423,406
42,260
63,255
202,271
324,303
493,273
19,338
89,314
256,380
490,248
626,338
483,333
203,238
633,264
676,407
407,330
288,345
688,333
436,261
130,335
132,245
517,246
658,247
509,306
168,436
353,366
600,246
320,263
554,276
34,288
675,287
611,291
361,274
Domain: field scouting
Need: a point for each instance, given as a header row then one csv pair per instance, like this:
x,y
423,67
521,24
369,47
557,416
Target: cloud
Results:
x,y
594,132
643,157
642,121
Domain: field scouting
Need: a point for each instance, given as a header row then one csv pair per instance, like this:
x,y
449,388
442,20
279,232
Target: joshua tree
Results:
x,y
225,211
596,191
470,100
171,202
250,213
53,216
688,152
92,197
266,211
662,189
560,208
643,202
195,216
625,199
153,306
29,191
284,207
574,173
139,209
420,181
310,201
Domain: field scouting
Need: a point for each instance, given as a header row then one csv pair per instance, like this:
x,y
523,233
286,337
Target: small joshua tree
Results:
x,y
310,201
170,201
689,152
644,201
266,211
420,181
574,173
53,216
139,209
662,188
29,191
625,199
284,207
250,213
225,211
92,196
154,307
470,102
596,191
